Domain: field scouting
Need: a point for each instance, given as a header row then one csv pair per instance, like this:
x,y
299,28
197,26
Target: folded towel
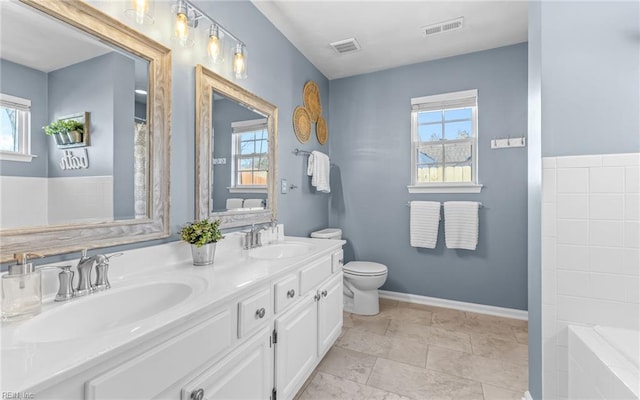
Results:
x,y
253,203
461,224
424,221
318,169
234,203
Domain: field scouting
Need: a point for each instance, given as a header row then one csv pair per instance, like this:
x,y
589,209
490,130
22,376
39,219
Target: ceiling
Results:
x,y
389,31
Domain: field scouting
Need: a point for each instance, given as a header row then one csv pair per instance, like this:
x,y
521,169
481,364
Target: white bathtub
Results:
x,y
603,363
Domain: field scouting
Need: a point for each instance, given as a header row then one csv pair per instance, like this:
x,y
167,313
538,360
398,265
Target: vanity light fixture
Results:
x,y
187,17
141,11
240,62
215,45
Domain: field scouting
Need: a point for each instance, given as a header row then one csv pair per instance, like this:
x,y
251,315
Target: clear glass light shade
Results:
x,y
140,11
215,45
240,62
181,28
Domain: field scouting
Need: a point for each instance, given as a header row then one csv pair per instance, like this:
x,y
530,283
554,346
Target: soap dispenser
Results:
x,y
21,289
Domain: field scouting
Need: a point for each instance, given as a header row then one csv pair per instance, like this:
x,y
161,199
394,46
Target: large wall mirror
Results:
x,y
67,60
236,143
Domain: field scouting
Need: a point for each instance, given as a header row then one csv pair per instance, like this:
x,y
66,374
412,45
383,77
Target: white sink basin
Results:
x,y
103,312
280,250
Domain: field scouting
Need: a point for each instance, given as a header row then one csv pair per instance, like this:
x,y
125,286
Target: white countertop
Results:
x,y
28,366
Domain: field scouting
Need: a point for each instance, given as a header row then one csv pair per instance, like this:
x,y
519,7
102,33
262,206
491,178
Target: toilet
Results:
x,y
362,279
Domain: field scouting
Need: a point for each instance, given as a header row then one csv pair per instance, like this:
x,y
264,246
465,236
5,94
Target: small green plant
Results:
x,y
202,232
64,125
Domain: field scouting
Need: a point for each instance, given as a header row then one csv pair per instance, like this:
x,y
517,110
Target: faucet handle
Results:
x,y
65,284
102,271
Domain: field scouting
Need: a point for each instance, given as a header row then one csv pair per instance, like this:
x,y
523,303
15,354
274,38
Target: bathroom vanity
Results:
x,y
254,325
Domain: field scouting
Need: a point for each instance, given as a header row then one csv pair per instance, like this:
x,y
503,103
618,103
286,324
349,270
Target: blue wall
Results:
x,y
28,83
371,147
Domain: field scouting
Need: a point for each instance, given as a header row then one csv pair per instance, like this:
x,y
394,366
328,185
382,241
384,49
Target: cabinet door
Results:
x,y
329,313
296,346
247,373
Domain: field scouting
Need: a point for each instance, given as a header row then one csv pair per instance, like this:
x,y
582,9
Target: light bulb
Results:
x,y
214,48
140,7
239,64
182,27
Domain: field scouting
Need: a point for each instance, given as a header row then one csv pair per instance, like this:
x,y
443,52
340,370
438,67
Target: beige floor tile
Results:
x,y
418,383
430,335
506,350
326,386
478,368
474,325
495,393
403,314
306,383
399,349
518,323
387,303
521,333
348,364
367,324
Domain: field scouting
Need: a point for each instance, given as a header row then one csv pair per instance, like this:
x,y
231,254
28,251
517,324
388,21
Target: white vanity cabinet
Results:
x,y
306,331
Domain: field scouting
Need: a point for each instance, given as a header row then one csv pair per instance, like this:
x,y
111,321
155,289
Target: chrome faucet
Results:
x,y
252,237
102,270
85,267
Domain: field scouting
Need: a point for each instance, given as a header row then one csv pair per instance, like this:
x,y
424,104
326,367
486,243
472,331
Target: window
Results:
x,y
250,156
444,136
15,128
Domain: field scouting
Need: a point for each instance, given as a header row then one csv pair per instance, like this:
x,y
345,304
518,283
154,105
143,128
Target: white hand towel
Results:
x,y
424,221
234,203
461,224
253,203
318,169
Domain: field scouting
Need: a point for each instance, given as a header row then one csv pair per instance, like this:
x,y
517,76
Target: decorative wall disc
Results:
x,y
321,130
302,124
311,99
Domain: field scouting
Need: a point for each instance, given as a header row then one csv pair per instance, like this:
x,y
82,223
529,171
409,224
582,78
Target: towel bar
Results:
x,y
299,152
408,204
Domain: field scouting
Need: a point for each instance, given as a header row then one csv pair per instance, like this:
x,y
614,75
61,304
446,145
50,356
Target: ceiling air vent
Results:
x,y
442,27
345,46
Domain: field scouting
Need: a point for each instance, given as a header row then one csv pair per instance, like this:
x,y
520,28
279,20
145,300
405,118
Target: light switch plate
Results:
x,y
284,187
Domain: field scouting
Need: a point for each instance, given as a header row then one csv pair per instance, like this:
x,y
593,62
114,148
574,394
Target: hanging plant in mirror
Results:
x,y
70,131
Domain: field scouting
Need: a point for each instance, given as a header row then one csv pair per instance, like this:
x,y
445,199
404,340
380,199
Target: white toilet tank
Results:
x,y
329,233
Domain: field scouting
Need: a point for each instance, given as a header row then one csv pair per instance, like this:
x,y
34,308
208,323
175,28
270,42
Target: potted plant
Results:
x,y
203,236
65,131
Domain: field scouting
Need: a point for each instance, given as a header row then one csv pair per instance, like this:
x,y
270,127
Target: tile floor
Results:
x,y
413,351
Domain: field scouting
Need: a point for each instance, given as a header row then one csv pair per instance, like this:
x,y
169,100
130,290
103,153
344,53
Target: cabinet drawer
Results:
x,y
337,261
311,276
151,373
285,292
253,312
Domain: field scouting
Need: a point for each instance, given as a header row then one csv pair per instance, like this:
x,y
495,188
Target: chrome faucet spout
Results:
x,y
85,267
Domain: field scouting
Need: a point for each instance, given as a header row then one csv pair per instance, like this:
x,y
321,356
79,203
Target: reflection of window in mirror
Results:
x,y
15,131
250,153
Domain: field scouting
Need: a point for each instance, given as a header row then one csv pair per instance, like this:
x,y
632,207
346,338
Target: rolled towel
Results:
x,y
461,224
234,203
253,203
424,221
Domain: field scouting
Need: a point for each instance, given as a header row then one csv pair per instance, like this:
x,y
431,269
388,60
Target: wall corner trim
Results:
x,y
458,305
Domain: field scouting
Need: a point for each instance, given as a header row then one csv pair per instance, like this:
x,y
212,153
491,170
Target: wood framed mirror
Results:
x,y
146,182
236,147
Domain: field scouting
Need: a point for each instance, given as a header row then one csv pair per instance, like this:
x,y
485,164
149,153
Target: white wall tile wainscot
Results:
x,y
590,253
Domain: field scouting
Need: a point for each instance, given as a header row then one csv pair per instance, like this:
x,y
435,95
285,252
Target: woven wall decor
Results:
x,y
321,130
311,100
302,124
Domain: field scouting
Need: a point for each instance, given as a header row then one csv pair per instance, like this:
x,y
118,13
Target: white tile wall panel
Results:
x,y
571,231
549,220
572,180
579,161
631,261
620,160
632,234
573,283
632,207
572,257
606,206
573,206
632,180
548,185
606,233
24,201
606,180
608,286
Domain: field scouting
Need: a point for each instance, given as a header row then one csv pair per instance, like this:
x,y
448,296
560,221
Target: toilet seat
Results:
x,y
364,268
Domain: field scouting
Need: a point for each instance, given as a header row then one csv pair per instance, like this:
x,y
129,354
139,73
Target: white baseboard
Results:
x,y
459,305
527,396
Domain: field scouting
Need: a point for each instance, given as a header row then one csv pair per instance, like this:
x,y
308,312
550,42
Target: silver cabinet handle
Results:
x,y
260,313
341,261
197,395
291,293
317,297
324,293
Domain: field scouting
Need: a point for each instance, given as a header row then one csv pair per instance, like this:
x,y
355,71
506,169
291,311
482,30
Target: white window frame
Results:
x,y
462,99
237,128
23,106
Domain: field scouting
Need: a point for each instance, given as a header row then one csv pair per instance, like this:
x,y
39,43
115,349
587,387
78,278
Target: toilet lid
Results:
x,y
365,268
